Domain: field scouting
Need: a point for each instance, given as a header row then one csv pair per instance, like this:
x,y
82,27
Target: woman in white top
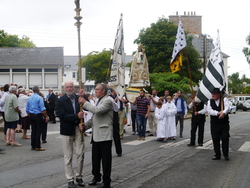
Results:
x,y
22,100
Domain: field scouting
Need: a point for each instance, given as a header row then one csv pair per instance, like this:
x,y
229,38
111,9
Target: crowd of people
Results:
x,y
104,115
14,101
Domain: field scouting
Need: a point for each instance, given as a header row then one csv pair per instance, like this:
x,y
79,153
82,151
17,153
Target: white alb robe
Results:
x,y
171,110
160,114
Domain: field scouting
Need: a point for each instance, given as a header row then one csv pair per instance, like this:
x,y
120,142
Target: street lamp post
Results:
x,y
78,25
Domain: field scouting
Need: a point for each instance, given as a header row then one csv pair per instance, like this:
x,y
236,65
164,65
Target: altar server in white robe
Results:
x,y
160,114
171,110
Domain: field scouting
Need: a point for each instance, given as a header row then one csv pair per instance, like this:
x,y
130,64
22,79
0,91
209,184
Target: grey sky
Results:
x,y
51,23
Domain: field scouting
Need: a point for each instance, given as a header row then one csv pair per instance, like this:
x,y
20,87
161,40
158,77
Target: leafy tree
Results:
x,y
158,41
7,40
246,90
169,81
235,84
96,64
246,50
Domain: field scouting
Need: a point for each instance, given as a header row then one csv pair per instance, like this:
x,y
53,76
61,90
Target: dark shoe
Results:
x,y
181,136
216,158
104,186
33,148
44,141
53,122
151,134
80,182
190,144
94,181
200,144
71,184
164,141
119,155
226,158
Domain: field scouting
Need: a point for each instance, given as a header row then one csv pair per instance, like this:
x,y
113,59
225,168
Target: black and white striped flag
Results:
x,y
214,76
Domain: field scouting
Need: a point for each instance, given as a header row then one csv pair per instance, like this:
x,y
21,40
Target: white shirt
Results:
x,y
217,102
203,111
115,106
152,105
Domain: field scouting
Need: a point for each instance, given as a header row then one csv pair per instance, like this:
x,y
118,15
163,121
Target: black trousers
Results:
x,y
116,134
220,131
36,121
133,117
44,130
101,152
52,116
194,126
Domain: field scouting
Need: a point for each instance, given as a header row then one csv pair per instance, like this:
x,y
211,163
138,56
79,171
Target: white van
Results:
x,y
238,100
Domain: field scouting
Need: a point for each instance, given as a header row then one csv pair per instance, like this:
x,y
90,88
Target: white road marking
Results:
x,y
207,145
53,132
245,147
174,144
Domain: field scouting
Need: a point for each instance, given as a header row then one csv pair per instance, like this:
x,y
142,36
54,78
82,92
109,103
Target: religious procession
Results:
x,y
107,112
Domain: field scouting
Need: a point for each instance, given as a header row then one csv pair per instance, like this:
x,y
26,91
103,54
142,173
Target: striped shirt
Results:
x,y
142,106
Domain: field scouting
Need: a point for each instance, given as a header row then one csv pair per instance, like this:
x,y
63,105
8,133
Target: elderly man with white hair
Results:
x,y
11,116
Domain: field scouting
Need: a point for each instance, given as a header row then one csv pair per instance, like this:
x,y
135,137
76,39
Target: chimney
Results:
x,y
188,12
194,13
184,13
176,13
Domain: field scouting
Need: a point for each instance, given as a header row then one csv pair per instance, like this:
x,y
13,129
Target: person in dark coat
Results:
x,y
52,99
70,115
218,108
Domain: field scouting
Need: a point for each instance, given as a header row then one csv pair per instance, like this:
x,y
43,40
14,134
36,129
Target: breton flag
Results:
x,y
214,76
180,43
117,74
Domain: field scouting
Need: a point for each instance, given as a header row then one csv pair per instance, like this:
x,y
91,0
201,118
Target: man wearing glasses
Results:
x,y
102,134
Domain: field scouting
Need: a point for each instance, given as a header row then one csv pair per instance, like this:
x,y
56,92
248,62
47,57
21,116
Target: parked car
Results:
x,y
232,107
239,100
246,105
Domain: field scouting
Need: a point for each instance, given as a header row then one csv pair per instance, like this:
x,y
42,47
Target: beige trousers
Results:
x,y
152,122
121,115
71,143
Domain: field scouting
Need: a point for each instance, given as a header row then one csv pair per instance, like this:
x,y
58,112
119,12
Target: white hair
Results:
x,y
12,89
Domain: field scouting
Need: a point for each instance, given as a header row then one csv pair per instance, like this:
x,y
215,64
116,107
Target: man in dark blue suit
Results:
x,y
52,104
70,115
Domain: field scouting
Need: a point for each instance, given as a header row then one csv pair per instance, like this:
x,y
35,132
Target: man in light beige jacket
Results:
x,y
102,134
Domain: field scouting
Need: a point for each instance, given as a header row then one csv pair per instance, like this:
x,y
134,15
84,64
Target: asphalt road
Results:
x,y
143,163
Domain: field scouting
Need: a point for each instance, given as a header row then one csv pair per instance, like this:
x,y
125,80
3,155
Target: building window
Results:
x,y
18,70
4,70
35,80
4,79
50,70
73,74
51,80
35,70
19,79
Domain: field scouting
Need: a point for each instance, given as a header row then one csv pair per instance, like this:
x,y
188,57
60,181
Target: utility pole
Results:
x,y
204,53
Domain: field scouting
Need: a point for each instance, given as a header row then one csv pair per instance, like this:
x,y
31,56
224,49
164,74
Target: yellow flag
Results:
x,y
177,63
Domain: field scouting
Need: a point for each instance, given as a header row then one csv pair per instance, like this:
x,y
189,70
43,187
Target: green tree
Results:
x,y
169,81
158,41
7,40
235,84
246,50
96,64
246,90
